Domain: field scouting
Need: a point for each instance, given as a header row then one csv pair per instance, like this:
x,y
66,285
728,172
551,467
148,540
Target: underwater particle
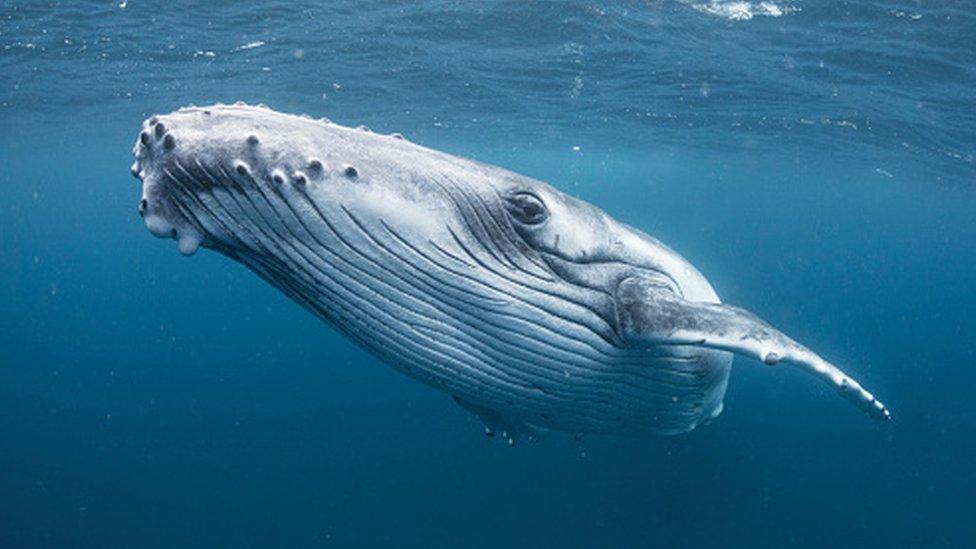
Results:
x,y
299,53
577,87
576,148
705,89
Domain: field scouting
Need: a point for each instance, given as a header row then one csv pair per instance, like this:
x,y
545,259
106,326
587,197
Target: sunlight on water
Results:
x,y
742,11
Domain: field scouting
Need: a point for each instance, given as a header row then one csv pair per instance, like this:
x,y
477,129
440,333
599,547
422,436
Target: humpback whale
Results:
x,y
531,308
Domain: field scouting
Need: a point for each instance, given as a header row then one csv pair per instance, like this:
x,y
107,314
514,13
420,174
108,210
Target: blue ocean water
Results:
x,y
815,160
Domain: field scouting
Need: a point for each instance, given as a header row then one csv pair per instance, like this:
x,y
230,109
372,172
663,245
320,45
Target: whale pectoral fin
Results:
x,y
651,314
497,423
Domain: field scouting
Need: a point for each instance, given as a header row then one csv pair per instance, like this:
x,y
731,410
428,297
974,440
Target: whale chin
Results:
x,y
187,237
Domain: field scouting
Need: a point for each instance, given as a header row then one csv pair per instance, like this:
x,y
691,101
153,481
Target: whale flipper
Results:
x,y
652,314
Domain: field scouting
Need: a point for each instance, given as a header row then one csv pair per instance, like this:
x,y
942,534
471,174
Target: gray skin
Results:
x,y
533,309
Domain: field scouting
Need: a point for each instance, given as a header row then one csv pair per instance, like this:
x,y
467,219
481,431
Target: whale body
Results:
x,y
533,309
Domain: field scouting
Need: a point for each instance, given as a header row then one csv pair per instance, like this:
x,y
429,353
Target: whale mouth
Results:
x,y
202,169
232,178
164,225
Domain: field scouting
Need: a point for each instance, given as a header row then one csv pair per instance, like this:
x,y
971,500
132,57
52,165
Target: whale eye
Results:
x,y
526,208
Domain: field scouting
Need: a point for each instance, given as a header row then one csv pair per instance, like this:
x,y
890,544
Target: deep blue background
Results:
x,y
817,166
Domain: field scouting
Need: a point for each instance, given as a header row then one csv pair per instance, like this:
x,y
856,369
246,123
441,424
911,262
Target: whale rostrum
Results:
x,y
533,309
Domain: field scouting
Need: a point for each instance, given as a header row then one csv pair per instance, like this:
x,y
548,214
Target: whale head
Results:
x,y
245,180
